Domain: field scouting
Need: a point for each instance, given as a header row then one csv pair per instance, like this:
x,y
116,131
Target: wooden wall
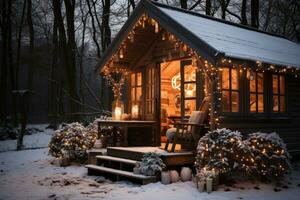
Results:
x,y
287,126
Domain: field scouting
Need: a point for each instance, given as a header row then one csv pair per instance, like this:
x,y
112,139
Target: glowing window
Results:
x,y
230,90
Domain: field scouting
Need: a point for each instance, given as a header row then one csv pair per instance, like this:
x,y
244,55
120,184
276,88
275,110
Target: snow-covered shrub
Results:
x,y
218,149
151,164
72,141
270,157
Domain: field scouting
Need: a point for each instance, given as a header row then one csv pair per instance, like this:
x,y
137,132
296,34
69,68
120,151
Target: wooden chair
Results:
x,y
188,133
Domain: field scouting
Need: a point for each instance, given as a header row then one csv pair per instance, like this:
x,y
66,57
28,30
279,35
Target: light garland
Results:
x,y
209,71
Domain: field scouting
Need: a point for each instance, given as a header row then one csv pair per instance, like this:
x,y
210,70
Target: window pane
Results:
x,y
138,93
132,79
234,79
132,94
253,83
235,101
260,103
139,79
275,103
260,82
282,103
189,73
190,90
225,101
275,84
252,103
225,78
189,106
282,85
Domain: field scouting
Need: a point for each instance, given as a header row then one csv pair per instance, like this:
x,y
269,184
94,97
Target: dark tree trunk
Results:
x,y
208,7
132,3
183,4
95,38
255,13
70,53
106,93
3,81
19,39
224,4
10,61
54,79
68,47
244,12
31,45
106,34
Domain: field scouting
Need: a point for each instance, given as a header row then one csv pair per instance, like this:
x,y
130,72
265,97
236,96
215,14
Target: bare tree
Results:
x,y
255,13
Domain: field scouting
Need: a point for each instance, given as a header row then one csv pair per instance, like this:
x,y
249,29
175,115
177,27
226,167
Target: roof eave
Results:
x,y
123,32
145,6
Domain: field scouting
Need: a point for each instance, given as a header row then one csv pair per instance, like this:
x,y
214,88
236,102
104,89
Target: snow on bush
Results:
x,y
151,164
217,150
260,154
269,153
72,141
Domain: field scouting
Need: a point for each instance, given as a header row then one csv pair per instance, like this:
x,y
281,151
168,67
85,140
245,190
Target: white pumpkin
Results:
x,y
186,174
174,176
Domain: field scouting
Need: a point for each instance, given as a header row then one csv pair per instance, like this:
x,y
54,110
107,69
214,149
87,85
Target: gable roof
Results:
x,y
212,37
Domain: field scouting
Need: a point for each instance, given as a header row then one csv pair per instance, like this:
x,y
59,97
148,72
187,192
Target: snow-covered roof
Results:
x,y
236,41
212,38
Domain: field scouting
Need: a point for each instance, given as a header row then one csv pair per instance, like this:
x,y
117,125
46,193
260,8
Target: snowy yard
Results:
x,y
29,174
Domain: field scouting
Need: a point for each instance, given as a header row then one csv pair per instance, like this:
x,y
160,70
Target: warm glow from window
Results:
x,y
230,90
256,83
136,88
278,86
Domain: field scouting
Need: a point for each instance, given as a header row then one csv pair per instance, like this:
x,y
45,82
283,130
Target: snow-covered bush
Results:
x,y
72,141
270,157
151,164
218,150
260,155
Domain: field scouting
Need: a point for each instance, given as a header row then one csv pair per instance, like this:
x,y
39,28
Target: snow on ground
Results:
x,y
36,140
29,174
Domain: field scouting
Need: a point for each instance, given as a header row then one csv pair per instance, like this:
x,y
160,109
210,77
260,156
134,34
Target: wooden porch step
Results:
x,y
116,159
144,179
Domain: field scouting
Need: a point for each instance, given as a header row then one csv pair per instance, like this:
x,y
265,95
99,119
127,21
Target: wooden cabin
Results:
x,y
176,57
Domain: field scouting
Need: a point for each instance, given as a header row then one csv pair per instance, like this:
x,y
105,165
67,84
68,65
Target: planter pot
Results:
x,y
165,178
201,185
209,185
98,144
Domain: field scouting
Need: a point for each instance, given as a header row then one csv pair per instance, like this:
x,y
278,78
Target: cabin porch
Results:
x,y
117,163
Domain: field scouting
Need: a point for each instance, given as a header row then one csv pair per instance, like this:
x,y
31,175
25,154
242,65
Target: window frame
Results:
x,y
135,101
278,94
264,93
230,90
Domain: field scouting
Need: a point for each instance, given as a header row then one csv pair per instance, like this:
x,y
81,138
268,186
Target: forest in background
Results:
x,y
51,48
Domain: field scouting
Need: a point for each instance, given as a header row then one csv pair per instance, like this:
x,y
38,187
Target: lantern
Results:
x,y
135,111
117,109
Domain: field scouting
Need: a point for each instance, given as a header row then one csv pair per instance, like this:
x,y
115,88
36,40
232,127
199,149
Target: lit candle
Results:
x,y
118,113
135,111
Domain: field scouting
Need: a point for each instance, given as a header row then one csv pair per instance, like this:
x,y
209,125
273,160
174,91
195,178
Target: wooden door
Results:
x,y
188,87
150,94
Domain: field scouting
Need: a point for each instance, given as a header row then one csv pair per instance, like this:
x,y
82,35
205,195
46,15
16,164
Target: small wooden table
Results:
x,y
125,124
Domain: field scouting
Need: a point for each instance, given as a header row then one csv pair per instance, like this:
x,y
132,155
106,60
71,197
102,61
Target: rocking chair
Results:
x,y
188,133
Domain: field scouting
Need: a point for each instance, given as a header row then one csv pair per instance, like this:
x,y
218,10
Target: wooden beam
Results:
x,y
146,53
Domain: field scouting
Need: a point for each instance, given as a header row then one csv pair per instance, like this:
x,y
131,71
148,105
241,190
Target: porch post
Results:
x,y
213,104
